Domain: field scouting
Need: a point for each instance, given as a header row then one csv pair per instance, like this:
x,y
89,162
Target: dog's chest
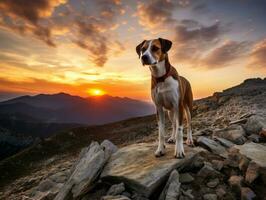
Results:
x,y
166,93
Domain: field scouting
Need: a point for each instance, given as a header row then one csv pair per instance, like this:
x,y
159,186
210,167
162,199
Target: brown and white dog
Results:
x,y
169,92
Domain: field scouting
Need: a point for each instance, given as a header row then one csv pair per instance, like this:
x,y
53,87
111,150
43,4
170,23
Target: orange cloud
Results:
x,y
257,57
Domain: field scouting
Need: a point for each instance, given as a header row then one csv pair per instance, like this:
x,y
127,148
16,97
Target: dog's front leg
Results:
x,y
161,124
179,148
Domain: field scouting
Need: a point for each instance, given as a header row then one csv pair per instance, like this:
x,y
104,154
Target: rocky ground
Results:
x,y
228,161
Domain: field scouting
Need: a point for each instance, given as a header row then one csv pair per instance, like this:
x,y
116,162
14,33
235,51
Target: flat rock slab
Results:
x,y
255,152
140,170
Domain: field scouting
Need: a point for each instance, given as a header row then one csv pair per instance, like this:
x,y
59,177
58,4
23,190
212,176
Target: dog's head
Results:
x,y
153,51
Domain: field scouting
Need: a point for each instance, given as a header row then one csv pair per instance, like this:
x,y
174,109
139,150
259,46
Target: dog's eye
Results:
x,y
143,49
154,48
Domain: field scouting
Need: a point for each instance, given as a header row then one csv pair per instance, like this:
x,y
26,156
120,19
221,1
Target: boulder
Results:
x,y
255,124
257,138
86,170
213,146
256,153
234,133
171,190
217,164
140,170
116,189
247,194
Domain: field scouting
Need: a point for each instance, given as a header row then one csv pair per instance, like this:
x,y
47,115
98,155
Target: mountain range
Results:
x,y
27,119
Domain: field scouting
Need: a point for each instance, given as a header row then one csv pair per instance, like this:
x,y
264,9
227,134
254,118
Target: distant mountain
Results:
x,y
65,108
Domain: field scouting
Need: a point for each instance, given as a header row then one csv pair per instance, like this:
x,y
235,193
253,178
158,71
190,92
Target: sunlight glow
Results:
x,y
95,92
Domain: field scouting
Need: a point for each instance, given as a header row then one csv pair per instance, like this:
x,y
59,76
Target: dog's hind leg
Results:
x,y
171,140
189,140
161,124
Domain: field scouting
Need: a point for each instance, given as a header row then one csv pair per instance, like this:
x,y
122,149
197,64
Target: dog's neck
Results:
x,y
160,69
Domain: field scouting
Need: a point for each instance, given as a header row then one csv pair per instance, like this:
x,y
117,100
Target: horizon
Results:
x,y
88,48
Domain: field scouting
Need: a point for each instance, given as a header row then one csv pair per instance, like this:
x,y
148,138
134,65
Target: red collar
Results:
x,y
166,75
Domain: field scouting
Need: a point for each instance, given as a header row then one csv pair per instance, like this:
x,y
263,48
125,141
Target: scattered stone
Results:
x,y
233,158
217,164
212,146
171,190
127,194
187,193
243,164
45,185
226,143
213,183
87,169
118,197
235,133
140,170
210,197
186,178
247,194
255,124
220,191
256,153
236,183
208,172
116,189
137,196
252,172
256,138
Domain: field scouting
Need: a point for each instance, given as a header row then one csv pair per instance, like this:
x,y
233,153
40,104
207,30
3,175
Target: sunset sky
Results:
x,y
77,46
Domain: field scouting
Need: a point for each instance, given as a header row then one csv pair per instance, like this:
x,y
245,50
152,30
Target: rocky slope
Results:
x,y
228,162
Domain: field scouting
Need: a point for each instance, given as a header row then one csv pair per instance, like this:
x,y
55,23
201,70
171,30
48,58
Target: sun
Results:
x,y
95,92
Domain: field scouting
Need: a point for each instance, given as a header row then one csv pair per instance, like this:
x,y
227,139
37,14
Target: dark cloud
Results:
x,y
192,39
25,16
155,14
257,57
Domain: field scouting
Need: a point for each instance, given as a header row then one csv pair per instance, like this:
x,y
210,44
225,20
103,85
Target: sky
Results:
x,y
77,46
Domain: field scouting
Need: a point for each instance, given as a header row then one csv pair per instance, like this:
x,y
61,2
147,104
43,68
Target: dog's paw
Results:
x,y
160,152
171,140
179,155
190,142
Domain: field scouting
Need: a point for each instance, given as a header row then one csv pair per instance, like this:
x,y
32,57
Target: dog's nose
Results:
x,y
144,58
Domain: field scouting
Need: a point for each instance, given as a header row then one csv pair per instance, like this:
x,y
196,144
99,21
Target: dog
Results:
x,y
170,92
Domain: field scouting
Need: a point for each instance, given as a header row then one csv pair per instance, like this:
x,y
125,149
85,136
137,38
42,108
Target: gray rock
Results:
x,y
210,197
255,124
186,178
187,194
213,183
171,190
86,170
46,185
217,164
213,146
140,170
234,133
116,189
256,153
247,194
256,138
226,143
208,172
117,197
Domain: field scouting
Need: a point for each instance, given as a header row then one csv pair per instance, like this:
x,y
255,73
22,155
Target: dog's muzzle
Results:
x,y
145,59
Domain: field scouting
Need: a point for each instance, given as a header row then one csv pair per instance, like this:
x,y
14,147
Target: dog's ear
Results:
x,y
165,45
138,48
